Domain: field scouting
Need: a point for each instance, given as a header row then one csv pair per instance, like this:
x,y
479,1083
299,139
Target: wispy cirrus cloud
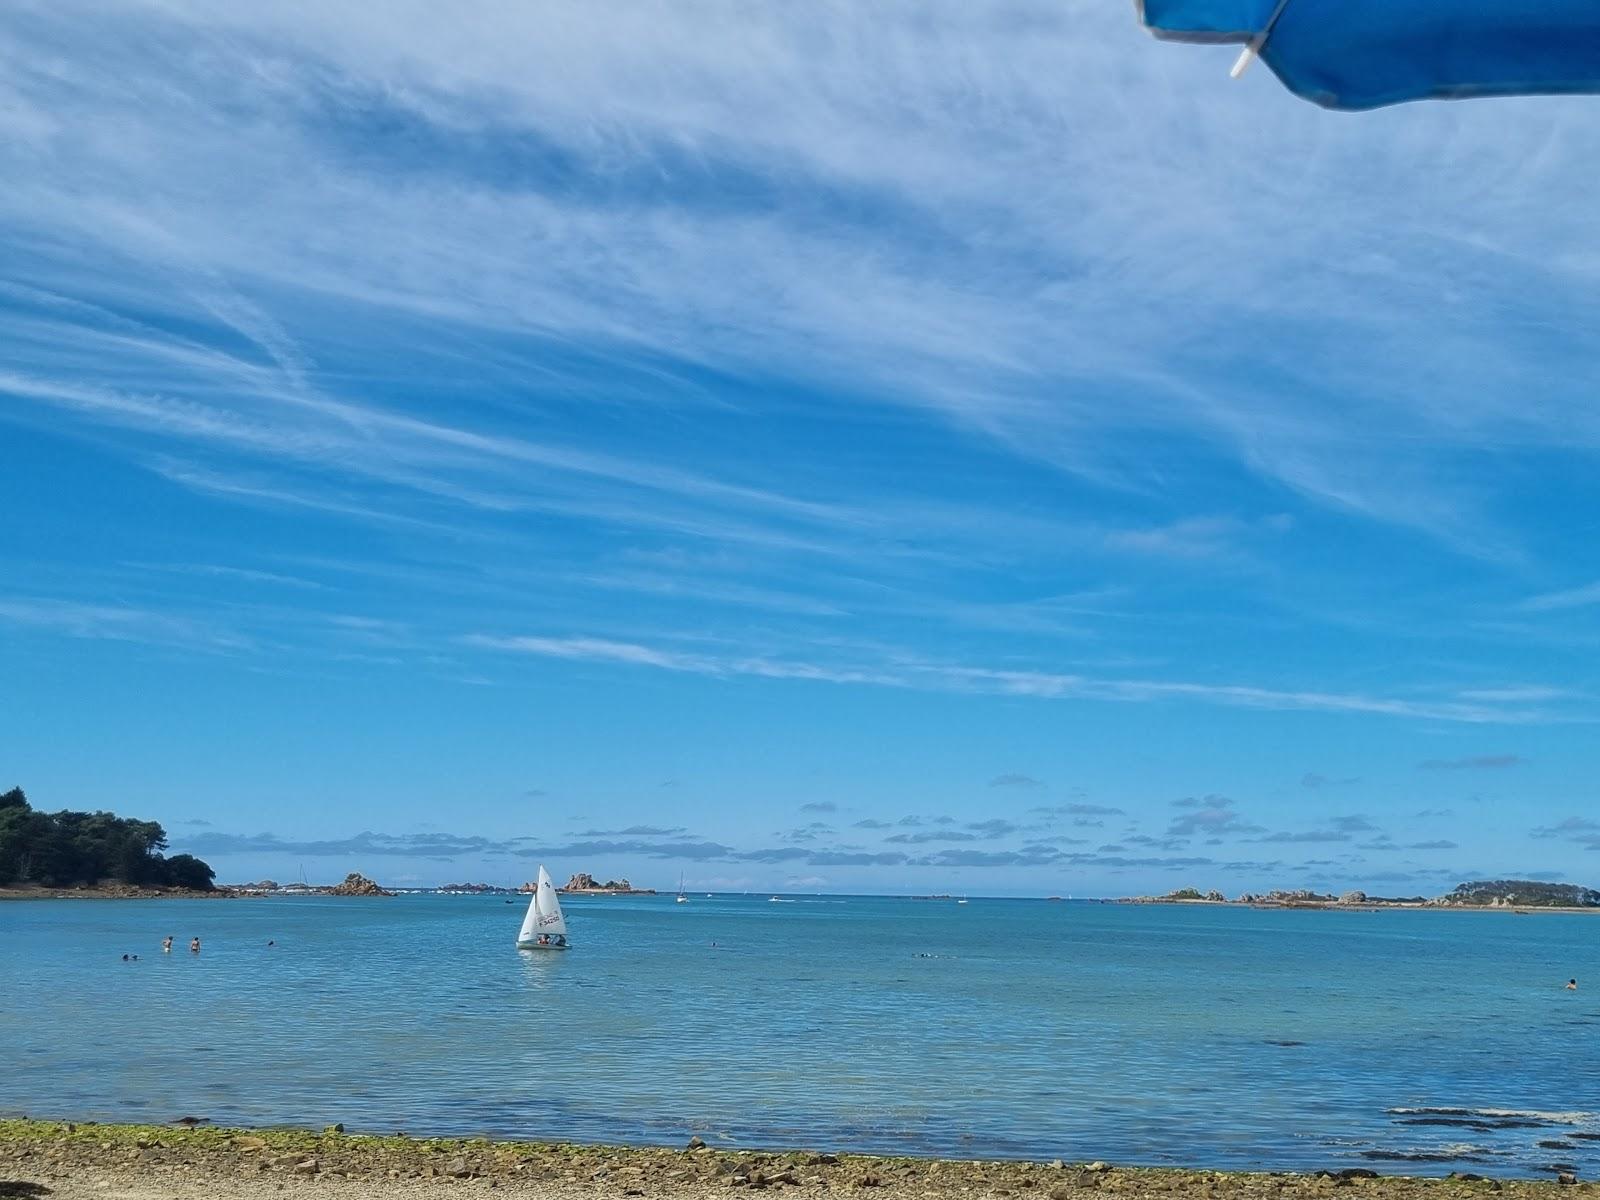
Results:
x,y
1577,597
1038,684
712,90
1198,537
119,623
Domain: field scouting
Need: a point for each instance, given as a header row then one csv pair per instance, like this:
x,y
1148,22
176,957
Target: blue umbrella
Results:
x,y
1355,54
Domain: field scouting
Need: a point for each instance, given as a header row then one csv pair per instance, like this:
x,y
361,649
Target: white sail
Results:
x,y
549,907
530,922
543,917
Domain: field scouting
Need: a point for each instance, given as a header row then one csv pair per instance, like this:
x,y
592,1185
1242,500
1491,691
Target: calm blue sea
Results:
x,y
1405,1041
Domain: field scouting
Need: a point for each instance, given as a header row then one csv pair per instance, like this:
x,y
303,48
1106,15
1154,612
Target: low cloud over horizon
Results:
x,y
915,845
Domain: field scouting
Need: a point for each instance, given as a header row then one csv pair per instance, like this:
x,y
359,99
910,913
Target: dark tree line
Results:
x,y
1527,893
72,849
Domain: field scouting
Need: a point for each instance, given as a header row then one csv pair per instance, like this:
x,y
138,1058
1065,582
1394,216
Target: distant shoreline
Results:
x,y
1360,906
118,891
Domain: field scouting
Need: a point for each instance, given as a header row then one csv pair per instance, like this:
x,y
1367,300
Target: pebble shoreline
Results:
x,y
136,1162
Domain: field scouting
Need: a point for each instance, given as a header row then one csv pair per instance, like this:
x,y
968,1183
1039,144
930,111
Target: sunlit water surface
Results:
x,y
1415,1041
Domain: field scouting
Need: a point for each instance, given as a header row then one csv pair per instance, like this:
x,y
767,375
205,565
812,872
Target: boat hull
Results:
x,y
536,946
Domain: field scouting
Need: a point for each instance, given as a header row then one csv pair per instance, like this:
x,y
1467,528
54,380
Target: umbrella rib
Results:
x,y
1252,48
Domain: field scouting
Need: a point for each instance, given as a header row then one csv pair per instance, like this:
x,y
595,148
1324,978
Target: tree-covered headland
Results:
x,y
82,849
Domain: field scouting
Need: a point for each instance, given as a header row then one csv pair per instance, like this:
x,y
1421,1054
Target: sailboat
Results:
x,y
544,928
682,899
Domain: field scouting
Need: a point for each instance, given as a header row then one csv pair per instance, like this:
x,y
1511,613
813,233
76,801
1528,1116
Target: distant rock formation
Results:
x,y
1191,895
582,881
356,884
1356,897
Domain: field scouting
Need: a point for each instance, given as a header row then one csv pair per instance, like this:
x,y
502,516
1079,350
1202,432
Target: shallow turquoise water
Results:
x,y
1148,1034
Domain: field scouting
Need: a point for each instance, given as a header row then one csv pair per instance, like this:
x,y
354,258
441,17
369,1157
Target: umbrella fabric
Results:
x,y
1355,54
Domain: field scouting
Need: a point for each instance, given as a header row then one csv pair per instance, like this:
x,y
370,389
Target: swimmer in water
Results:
x,y
166,944
1572,985
194,945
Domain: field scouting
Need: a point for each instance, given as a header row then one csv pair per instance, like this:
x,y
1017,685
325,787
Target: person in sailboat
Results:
x,y
561,939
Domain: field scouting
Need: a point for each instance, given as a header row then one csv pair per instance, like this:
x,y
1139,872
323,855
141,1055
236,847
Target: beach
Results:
x,y
133,1162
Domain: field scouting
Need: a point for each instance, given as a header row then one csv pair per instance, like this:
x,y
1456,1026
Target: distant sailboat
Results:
x,y
682,899
544,928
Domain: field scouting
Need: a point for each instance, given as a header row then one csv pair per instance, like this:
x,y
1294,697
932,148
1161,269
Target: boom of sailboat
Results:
x,y
543,928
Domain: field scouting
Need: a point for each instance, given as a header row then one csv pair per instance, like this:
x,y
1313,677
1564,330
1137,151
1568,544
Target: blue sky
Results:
x,y
852,448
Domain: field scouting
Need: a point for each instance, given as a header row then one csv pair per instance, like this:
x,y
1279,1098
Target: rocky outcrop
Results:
x,y
356,884
582,881
1357,897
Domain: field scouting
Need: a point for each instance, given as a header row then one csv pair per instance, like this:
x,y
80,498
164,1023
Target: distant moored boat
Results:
x,y
543,928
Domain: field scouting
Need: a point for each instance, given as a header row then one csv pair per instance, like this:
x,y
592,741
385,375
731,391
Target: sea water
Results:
x,y
1410,1041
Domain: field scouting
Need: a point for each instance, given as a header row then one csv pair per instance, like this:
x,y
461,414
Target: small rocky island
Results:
x,y
355,884
585,884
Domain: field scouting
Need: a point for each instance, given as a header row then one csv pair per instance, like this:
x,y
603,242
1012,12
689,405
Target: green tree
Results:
x,y
187,871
